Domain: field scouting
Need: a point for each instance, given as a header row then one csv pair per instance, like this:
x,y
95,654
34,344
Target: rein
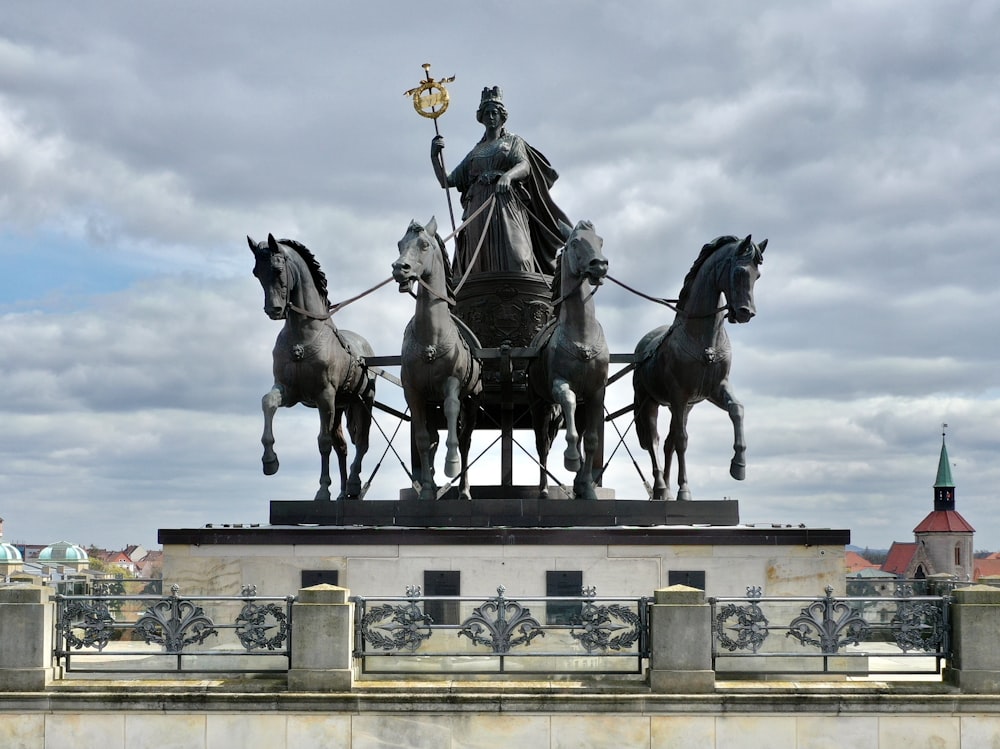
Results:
x,y
335,308
671,303
573,290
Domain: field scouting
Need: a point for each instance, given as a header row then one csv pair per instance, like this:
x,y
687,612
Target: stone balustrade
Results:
x,y
323,641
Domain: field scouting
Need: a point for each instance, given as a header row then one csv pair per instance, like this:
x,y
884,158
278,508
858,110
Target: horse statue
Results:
x,y
571,370
314,362
687,362
437,366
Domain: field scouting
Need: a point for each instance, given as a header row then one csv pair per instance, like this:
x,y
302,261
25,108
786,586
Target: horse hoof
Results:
x,y
465,496
543,492
323,495
270,467
452,468
661,494
684,495
572,463
738,470
428,493
584,491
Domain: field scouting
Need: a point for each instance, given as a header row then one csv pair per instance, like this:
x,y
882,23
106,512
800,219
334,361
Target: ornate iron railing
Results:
x,y
849,635
110,632
529,635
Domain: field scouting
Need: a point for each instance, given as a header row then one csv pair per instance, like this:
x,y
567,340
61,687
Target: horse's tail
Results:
x,y
642,428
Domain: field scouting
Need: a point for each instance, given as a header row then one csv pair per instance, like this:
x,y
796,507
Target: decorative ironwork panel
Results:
x,y
91,619
501,624
829,624
919,625
600,632
262,627
391,627
174,623
748,623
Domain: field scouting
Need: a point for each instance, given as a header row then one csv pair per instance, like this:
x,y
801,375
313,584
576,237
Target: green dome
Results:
x,y
63,552
9,554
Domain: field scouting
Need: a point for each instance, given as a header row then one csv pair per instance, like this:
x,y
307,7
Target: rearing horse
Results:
x,y
437,365
571,370
688,362
314,363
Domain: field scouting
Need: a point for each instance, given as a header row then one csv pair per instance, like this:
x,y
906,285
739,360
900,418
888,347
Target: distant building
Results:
x,y
10,561
942,541
65,554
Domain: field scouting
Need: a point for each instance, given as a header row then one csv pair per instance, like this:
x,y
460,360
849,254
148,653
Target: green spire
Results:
x,y
944,469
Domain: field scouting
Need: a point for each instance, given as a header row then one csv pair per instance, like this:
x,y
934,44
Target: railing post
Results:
x,y
322,640
975,662
680,641
26,624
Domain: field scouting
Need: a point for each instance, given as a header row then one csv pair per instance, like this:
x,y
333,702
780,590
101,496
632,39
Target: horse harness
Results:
x,y
356,368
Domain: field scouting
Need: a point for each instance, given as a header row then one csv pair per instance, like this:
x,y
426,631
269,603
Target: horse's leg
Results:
x,y
679,439
325,440
724,399
563,394
593,410
269,404
359,422
340,448
452,408
466,425
541,415
423,471
647,412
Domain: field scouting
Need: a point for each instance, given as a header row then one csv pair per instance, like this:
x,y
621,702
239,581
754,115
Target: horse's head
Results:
x,y
270,268
744,270
582,255
419,251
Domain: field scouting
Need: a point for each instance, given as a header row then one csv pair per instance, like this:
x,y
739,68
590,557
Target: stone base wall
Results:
x,y
386,569
783,719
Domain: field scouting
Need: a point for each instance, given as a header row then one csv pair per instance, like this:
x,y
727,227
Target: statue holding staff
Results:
x,y
519,231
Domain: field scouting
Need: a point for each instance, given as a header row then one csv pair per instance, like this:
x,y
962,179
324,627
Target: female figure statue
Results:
x,y
520,231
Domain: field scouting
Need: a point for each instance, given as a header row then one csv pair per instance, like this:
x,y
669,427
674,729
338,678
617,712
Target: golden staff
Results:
x,y
430,99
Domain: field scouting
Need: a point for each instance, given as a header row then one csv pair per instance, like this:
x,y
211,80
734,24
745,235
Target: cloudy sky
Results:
x,y
141,142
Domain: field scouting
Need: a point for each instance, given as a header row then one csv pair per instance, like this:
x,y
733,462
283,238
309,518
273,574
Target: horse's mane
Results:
x,y
706,252
557,277
318,277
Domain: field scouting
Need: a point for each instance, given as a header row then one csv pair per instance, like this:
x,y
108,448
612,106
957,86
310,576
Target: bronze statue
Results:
x,y
571,370
687,362
437,367
314,362
507,182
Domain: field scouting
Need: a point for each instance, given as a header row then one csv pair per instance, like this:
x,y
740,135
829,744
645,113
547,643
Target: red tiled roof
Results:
x,y
855,561
944,521
988,566
899,557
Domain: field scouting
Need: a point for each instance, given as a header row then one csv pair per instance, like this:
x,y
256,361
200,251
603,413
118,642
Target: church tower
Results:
x,y
944,535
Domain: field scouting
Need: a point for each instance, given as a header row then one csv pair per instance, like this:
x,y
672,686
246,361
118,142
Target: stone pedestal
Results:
x,y
975,663
681,641
322,640
25,638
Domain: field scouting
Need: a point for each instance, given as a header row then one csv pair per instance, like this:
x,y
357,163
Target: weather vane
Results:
x,y
430,99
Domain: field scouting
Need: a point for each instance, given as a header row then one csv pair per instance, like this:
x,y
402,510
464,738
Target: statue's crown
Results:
x,y
494,94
